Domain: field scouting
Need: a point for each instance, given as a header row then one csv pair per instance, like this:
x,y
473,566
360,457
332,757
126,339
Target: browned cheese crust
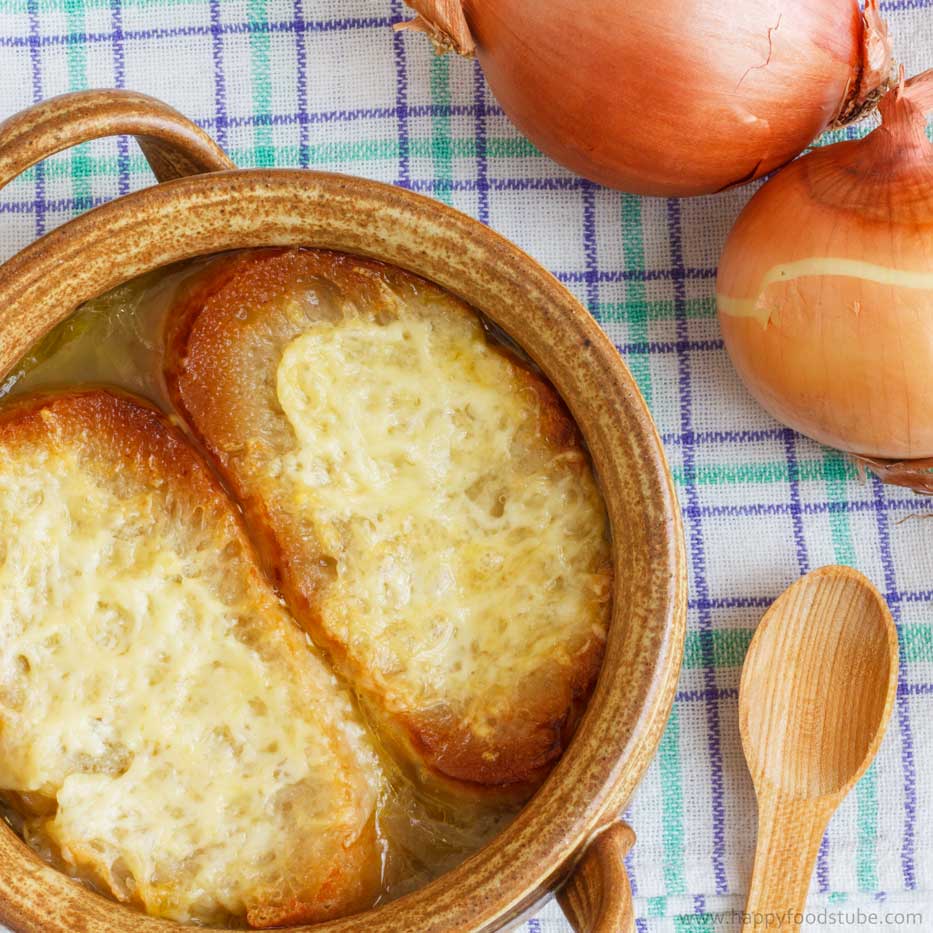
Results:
x,y
502,726
151,502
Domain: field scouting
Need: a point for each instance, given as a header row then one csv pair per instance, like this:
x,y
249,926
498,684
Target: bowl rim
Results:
x,y
287,207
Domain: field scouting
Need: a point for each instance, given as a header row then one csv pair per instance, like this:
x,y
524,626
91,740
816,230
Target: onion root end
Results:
x,y
911,474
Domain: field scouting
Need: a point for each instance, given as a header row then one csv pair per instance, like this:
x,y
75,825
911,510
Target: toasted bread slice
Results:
x,y
175,738
419,493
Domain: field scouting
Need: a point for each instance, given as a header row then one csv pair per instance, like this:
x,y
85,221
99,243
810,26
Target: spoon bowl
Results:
x,y
817,690
818,684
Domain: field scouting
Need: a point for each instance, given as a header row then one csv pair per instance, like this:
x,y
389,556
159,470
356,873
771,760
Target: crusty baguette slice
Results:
x,y
177,741
420,495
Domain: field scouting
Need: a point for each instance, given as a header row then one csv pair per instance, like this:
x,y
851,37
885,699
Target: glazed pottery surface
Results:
x,y
204,206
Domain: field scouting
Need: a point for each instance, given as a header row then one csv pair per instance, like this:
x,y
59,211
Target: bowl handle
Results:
x,y
597,897
172,144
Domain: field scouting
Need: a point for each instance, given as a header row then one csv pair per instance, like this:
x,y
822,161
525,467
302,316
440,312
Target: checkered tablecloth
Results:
x,y
326,84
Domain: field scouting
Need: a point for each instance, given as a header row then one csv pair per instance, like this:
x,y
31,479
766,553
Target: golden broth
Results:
x,y
117,340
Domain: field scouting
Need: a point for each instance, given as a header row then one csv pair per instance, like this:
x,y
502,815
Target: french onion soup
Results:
x,y
304,585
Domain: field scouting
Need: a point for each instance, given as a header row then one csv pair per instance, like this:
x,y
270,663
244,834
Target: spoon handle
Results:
x,y
789,834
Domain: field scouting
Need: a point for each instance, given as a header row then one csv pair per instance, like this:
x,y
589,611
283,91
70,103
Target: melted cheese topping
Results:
x,y
468,553
185,763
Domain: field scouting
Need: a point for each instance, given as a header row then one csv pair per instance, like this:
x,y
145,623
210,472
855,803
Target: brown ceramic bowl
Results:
x,y
568,830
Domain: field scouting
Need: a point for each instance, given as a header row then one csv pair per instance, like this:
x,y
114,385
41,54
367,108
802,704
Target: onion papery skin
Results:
x,y
670,98
825,288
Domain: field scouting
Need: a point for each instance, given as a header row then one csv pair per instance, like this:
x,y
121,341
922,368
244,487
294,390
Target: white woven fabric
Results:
x,y
326,84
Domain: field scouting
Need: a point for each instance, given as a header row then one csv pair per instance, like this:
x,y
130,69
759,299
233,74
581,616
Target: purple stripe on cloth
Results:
x,y
656,275
898,6
822,864
722,437
908,867
910,777
695,543
401,97
908,596
762,602
301,83
483,183
220,88
119,79
358,113
174,32
732,693
680,347
793,470
372,113
479,122
884,537
590,250
629,861
912,690
709,695
808,508
730,602
630,857
35,61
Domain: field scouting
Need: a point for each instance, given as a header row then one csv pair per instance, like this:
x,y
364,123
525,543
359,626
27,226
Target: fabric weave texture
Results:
x,y
326,84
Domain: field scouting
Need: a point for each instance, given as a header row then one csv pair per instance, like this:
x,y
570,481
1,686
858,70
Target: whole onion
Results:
x,y
669,97
825,289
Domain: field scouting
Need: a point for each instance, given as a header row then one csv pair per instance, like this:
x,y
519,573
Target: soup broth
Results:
x,y
117,340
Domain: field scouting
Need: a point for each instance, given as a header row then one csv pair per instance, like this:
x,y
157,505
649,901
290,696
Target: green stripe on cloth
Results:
x,y
657,907
441,150
775,471
730,646
363,152
635,309
917,644
837,469
76,52
660,310
264,155
866,796
694,923
672,797
79,171
509,148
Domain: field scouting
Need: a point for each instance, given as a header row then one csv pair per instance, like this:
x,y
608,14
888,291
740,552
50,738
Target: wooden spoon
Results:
x,y
817,690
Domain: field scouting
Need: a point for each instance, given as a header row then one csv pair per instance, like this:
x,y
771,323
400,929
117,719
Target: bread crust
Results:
x,y
130,441
224,340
